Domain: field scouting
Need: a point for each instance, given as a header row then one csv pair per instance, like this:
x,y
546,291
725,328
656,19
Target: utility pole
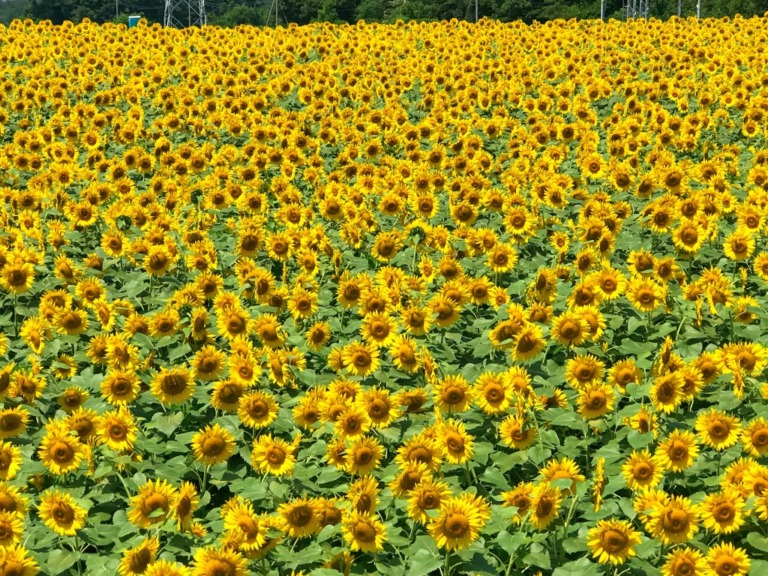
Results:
x,y
195,13
602,9
698,9
476,12
117,9
679,8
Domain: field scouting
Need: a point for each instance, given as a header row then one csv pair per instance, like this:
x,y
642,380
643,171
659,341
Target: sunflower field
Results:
x,y
413,299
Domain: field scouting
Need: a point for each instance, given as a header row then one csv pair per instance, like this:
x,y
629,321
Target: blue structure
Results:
x,y
133,21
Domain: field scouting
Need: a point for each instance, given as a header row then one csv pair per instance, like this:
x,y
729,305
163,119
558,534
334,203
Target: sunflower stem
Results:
x,y
205,480
446,565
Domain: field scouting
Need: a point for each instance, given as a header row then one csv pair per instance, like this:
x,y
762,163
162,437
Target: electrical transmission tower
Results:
x,y
180,13
636,8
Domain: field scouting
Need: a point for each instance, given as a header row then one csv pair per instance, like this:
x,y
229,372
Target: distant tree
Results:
x,y
371,10
238,15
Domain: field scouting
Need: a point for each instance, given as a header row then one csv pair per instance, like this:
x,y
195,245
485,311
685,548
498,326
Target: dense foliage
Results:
x,y
424,298
234,12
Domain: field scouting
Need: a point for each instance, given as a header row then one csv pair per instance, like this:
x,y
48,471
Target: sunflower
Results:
x,y
644,294
244,526
755,437
674,521
667,392
569,328
212,561
427,495
318,335
173,385
118,430
364,532
722,513
60,452
360,359
363,494
213,445
501,258
137,559
725,559
459,522
379,405
302,303
454,441
61,513
596,400
718,429
515,434
528,343
492,392
364,456
13,421
11,528
273,456
299,517
453,394
739,245
582,370
352,423
15,561
443,310
257,409
17,276
688,236
685,561
120,387
186,502
612,541
153,504
208,364
11,499
71,322
565,468
545,505
520,497
10,460
642,471
167,568
678,451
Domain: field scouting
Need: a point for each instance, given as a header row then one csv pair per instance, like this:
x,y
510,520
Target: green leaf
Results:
x,y
580,567
758,541
424,562
60,560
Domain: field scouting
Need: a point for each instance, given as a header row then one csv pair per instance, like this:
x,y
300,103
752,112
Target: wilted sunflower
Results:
x,y
61,513
213,445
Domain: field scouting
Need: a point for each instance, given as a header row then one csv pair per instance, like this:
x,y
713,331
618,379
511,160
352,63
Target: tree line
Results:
x,y
268,12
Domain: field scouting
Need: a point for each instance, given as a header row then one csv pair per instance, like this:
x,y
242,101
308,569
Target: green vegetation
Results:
x,y
235,12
